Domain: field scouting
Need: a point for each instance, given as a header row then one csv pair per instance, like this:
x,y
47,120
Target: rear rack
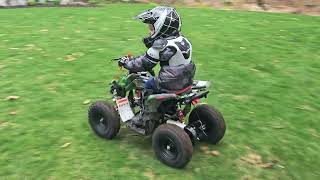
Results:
x,y
198,95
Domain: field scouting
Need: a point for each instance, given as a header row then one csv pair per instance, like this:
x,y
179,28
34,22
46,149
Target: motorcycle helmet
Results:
x,y
163,22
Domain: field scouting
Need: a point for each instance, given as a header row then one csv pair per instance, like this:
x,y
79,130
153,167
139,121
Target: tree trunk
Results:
x,y
262,4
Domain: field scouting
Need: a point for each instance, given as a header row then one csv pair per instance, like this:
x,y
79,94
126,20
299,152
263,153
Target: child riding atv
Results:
x,y
167,46
173,95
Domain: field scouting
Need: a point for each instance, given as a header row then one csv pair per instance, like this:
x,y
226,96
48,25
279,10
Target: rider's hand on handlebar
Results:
x,y
122,61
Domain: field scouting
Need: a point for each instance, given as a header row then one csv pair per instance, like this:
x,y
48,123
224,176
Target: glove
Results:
x,y
123,61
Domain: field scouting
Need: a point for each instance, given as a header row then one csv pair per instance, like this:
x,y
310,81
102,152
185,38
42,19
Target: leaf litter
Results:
x,y
256,160
66,145
11,98
2,66
4,124
206,150
73,56
44,30
69,58
87,101
215,153
13,113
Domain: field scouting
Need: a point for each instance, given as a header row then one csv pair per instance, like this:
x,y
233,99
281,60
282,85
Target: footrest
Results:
x,y
135,128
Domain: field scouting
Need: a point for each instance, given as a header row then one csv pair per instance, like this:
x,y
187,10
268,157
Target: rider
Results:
x,y
167,46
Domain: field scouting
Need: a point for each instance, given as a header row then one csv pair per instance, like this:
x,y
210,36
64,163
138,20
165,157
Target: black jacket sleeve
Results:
x,y
141,63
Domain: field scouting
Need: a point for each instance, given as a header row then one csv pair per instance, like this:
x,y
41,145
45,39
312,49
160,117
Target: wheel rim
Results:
x,y
202,124
168,148
100,123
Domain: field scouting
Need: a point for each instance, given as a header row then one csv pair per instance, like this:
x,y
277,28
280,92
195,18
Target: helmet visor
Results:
x,y
146,17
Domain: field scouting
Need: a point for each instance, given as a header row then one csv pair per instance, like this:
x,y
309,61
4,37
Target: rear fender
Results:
x,y
189,130
181,125
201,84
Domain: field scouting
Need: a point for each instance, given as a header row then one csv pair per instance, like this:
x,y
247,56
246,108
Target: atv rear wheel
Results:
x,y
172,145
104,119
209,123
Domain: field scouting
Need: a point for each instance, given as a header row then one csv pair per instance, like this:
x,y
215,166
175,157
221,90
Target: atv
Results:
x,y
160,115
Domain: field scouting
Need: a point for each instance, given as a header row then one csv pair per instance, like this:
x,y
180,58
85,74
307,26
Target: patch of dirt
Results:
x,y
30,47
4,124
306,107
2,66
50,5
52,88
246,177
314,132
69,58
132,156
309,7
241,98
149,174
13,113
73,56
284,9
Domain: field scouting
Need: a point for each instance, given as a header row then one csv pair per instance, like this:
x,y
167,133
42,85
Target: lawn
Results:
x,y
266,74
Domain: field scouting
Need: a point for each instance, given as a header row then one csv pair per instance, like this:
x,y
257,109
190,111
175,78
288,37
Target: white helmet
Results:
x,y
165,21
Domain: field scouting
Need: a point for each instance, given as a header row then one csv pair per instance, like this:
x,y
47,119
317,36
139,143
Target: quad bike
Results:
x,y
160,115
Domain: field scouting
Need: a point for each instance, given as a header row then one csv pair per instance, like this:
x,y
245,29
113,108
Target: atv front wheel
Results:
x,y
172,145
209,123
104,119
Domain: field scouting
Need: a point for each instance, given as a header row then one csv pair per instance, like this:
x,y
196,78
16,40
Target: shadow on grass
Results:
x,y
128,137
132,139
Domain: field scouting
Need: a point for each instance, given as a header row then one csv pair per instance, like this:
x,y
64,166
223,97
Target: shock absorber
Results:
x,y
180,115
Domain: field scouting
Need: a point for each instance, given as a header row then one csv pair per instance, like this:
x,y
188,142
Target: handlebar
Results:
x,y
129,55
150,71
116,59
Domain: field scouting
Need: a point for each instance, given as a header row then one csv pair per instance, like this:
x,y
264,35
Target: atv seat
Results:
x,y
181,91
184,90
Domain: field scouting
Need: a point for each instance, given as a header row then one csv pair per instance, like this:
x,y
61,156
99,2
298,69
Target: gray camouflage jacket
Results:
x,y
174,55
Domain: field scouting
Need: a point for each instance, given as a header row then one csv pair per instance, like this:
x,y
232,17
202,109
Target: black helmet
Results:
x,y
165,21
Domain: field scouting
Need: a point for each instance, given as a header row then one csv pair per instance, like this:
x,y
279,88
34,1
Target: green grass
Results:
x,y
265,69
